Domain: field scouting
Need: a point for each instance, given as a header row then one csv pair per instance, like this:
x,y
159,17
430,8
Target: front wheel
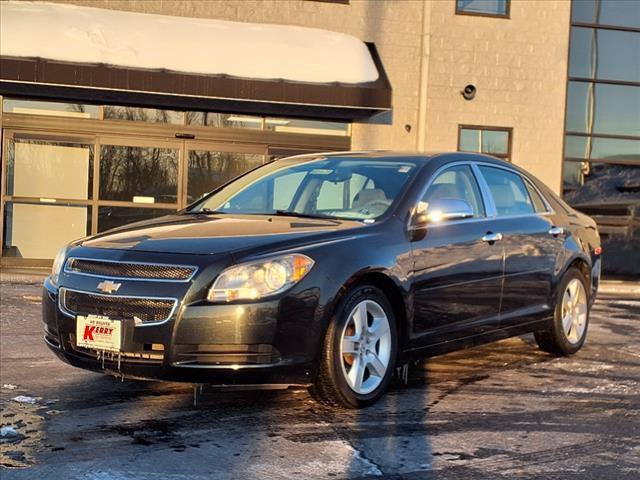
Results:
x,y
571,317
359,351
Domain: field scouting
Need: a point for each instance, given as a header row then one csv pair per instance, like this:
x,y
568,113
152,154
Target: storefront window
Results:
x,y
210,169
139,174
314,127
33,163
603,108
58,109
621,13
223,120
604,54
136,114
33,230
112,217
597,148
276,124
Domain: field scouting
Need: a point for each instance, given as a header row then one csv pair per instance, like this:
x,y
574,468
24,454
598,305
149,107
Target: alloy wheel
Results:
x,y
574,311
365,347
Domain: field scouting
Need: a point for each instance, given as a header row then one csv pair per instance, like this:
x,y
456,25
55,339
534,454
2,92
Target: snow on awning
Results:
x,y
91,54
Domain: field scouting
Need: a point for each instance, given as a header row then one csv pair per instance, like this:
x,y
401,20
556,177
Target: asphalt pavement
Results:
x,y
505,410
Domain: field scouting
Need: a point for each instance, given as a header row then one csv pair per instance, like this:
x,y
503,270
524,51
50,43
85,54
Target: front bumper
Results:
x,y
269,342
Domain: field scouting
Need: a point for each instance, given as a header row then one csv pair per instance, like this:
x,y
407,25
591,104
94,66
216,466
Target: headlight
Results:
x,y
259,279
58,263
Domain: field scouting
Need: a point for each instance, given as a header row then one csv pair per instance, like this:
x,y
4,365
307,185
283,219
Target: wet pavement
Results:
x,y
505,410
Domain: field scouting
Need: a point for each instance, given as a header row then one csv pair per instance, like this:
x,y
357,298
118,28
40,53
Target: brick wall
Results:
x,y
519,66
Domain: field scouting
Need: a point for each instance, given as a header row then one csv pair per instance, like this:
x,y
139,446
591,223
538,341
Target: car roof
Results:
x,y
400,156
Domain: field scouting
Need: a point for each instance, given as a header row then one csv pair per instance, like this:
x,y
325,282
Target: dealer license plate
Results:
x,y
99,333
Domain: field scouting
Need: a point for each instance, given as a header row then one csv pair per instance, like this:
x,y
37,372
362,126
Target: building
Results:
x,y
94,142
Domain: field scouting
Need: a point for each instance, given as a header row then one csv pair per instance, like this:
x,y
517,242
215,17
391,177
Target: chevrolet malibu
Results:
x,y
329,270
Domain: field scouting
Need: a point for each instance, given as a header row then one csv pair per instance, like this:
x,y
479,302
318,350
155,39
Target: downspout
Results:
x,y
425,43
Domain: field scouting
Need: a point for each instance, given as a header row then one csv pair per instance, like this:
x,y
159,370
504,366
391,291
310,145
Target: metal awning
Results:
x,y
114,85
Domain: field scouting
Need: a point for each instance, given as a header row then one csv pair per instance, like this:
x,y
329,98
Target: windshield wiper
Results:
x,y
288,213
202,211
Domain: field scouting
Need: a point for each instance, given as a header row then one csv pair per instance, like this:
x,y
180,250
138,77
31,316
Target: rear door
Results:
x,y
457,272
531,242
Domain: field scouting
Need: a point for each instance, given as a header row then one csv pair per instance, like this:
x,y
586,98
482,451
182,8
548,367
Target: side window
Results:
x,y
457,182
538,202
508,190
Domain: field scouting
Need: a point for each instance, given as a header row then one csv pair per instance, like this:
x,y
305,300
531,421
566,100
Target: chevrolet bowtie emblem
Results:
x,y
108,286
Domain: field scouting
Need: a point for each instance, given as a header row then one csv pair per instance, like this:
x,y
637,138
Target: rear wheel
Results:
x,y
359,351
571,317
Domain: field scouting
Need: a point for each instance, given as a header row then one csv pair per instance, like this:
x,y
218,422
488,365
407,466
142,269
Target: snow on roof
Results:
x,y
204,46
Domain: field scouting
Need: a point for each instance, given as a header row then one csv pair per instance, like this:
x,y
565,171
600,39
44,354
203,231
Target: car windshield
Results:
x,y
332,187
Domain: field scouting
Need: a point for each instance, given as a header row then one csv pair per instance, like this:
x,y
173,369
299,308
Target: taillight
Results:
x,y
597,250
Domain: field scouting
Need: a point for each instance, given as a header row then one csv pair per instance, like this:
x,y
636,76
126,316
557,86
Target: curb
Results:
x,y
23,275
619,287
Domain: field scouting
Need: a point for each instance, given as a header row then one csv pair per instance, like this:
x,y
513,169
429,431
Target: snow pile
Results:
x,y
93,35
25,399
8,432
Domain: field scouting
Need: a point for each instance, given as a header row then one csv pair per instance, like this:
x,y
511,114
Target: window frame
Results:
x,y
337,2
484,214
507,157
531,187
506,15
486,191
524,191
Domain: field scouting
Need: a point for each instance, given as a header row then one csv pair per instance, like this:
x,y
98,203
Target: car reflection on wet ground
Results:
x,y
502,410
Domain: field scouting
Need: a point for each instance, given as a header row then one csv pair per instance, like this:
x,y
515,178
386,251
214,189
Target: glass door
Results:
x,y
138,179
58,188
210,165
48,182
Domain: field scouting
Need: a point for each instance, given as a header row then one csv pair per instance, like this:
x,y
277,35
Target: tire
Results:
x,y
337,381
558,340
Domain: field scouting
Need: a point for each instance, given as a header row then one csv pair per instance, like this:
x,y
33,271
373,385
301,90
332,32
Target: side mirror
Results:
x,y
440,210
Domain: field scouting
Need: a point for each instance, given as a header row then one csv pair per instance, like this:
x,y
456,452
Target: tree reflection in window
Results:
x,y
127,172
210,169
135,114
223,120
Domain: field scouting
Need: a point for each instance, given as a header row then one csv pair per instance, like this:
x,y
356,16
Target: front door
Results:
x,y
457,271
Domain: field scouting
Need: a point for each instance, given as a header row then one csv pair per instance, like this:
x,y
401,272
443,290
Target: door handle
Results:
x,y
492,238
555,231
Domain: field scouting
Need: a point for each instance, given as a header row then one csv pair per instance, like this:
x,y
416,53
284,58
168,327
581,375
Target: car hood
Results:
x,y
213,234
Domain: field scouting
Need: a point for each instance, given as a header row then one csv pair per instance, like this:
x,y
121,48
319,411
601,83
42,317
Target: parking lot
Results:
x,y
504,410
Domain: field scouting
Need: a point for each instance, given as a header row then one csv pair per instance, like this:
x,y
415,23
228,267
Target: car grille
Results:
x,y
146,309
146,271
221,354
